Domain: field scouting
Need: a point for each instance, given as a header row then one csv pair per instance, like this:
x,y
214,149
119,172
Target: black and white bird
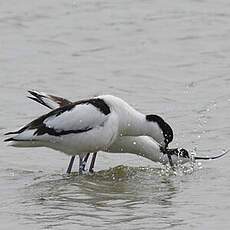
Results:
x,y
104,123
142,145
89,126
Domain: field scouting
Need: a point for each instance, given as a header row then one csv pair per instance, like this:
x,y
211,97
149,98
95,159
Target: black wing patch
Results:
x,y
98,103
53,132
41,128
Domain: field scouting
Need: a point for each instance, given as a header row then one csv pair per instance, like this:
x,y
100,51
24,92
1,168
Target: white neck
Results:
x,y
132,122
145,147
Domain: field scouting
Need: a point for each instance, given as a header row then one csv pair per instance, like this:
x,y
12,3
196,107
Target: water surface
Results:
x,y
163,57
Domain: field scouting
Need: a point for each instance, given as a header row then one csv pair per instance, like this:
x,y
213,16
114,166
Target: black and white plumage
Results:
x,y
143,145
80,127
90,125
104,123
162,132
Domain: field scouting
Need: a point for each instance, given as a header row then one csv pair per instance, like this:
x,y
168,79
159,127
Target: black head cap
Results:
x,y
166,129
183,153
177,151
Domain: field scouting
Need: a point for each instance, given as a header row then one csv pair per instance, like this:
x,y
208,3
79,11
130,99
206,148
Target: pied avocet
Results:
x,y
142,145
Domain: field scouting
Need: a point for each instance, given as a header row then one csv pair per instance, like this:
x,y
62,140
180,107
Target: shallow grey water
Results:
x,y
165,57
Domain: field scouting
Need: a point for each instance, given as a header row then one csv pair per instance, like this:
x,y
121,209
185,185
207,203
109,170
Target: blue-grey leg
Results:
x,y
169,153
85,160
70,165
170,160
92,162
80,165
69,169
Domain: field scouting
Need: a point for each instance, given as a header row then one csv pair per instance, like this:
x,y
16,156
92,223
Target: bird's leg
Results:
x,y
85,160
70,165
170,160
80,165
169,153
92,162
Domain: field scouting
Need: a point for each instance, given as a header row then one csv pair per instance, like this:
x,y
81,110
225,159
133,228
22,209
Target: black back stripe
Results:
x,y
100,104
41,128
51,131
97,102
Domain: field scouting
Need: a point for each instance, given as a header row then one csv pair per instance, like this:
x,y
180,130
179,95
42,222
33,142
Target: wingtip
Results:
x,y
33,92
38,99
34,98
9,139
36,93
9,133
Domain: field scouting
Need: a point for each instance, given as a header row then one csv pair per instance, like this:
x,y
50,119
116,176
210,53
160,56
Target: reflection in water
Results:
x,y
117,196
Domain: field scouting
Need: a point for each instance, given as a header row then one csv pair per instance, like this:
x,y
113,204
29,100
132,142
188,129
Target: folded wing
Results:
x,y
72,118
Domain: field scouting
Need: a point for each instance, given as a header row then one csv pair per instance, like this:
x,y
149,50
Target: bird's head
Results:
x,y
180,152
161,131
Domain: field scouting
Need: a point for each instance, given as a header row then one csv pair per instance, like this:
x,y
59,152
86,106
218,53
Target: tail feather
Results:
x,y
59,100
13,141
24,138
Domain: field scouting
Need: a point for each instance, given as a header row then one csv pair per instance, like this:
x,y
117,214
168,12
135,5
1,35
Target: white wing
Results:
x,y
73,118
81,117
